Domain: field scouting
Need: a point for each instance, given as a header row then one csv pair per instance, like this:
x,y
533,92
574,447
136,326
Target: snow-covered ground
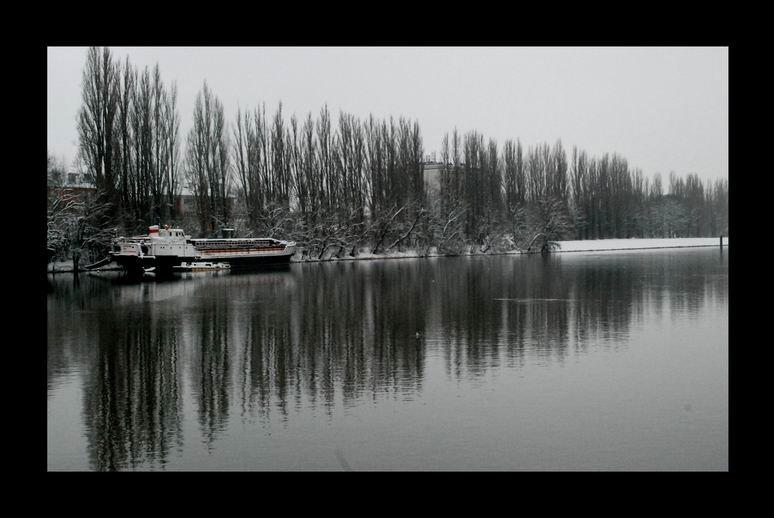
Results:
x,y
365,255
593,245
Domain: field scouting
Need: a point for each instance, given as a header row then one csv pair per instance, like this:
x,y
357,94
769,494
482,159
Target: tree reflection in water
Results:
x,y
315,336
133,391
321,336
210,363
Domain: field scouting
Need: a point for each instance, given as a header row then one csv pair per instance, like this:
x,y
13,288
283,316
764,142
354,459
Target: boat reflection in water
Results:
x,y
316,341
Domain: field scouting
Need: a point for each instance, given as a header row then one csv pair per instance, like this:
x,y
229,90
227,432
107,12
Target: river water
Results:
x,y
593,361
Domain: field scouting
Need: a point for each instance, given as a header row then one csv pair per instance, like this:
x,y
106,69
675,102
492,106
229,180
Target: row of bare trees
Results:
x,y
539,192
511,198
338,185
329,188
129,136
363,164
610,200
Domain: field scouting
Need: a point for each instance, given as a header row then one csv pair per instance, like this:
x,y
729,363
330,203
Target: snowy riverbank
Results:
x,y
591,245
599,245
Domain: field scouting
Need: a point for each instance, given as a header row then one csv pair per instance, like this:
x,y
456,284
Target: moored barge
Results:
x,y
165,248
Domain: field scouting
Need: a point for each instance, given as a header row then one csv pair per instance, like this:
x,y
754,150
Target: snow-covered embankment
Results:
x,y
599,245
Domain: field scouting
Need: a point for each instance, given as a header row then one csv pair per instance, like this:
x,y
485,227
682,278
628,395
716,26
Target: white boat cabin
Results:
x,y
164,241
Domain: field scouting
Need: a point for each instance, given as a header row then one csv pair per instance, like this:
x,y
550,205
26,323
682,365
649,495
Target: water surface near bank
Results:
x,y
565,362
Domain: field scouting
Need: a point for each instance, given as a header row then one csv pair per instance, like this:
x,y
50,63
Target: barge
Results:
x,y
166,248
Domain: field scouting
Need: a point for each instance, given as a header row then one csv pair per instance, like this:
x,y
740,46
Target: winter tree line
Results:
x,y
540,192
337,187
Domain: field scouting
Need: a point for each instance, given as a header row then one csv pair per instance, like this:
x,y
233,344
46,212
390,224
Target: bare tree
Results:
x,y
96,121
77,226
171,147
548,222
147,128
207,162
62,205
418,213
385,223
280,186
446,228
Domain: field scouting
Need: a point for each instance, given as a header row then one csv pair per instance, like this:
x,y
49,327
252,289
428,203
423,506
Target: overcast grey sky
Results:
x,y
663,108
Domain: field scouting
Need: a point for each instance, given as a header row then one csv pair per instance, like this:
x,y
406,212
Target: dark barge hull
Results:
x,y
252,262
134,263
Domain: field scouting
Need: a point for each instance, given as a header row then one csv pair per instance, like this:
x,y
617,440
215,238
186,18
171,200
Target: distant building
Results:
x,y
79,184
72,180
432,173
185,202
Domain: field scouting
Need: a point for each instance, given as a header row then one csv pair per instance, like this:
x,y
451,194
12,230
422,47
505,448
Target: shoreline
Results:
x,y
591,245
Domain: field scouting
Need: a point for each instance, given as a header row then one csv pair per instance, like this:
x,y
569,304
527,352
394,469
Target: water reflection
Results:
x,y
320,338
132,393
545,307
210,364
261,346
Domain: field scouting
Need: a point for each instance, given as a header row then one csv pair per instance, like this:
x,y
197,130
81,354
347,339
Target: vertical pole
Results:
x,y
721,241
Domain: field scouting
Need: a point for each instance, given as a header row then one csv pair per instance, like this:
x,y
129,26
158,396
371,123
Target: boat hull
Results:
x,y
257,261
242,262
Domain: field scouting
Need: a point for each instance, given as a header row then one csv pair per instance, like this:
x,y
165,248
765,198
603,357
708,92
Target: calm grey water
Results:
x,y
614,361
